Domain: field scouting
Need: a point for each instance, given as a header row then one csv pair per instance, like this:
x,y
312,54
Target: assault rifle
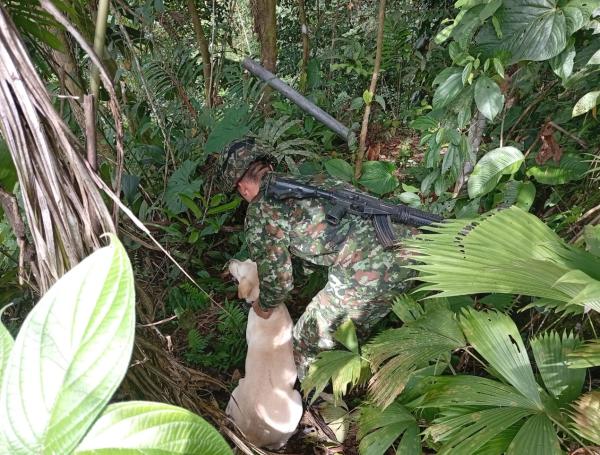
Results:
x,y
344,201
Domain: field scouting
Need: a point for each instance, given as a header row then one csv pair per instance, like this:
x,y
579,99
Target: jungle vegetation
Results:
x,y
482,111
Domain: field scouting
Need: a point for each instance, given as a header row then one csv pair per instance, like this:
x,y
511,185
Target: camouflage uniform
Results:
x,y
362,275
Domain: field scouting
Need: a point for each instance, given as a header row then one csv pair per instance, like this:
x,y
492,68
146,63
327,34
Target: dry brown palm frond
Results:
x,y
64,208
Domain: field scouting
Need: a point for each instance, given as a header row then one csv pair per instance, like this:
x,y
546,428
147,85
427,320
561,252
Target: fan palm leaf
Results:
x,y
586,415
516,416
396,354
586,355
506,251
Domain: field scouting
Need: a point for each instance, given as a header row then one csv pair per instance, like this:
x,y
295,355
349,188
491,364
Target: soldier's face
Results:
x,y
248,189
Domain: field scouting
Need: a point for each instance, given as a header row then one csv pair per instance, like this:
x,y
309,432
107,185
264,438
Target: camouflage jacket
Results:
x,y
275,230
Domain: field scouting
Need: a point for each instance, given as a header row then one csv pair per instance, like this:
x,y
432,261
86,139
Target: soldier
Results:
x,y
362,276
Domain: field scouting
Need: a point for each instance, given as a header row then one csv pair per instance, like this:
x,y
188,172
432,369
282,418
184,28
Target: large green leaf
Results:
x,y
8,173
463,390
377,430
182,182
490,169
465,434
233,125
70,355
496,337
570,167
343,368
506,252
536,437
448,89
396,354
145,428
531,30
488,97
551,356
586,103
339,169
586,355
378,177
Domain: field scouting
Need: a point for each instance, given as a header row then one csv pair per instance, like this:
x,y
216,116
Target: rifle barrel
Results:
x,y
302,102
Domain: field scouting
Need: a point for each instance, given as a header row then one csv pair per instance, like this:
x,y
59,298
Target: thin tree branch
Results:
x,y
365,122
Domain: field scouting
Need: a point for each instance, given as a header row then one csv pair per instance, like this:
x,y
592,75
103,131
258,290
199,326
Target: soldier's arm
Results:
x,y
268,246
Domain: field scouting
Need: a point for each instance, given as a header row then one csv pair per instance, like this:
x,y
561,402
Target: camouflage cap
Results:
x,y
234,161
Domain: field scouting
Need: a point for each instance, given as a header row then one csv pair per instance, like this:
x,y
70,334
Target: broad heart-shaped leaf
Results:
x,y
586,103
141,427
378,178
339,169
551,357
377,430
70,355
496,337
490,168
531,30
488,97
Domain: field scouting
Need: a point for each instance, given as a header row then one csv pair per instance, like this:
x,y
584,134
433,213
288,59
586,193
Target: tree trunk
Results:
x,y
365,122
305,44
265,26
203,46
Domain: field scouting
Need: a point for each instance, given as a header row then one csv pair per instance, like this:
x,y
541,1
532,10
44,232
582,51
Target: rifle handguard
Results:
x,y
347,201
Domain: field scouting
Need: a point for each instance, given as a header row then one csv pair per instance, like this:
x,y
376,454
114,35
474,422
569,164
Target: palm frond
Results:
x,y
396,354
586,415
551,355
586,355
65,211
508,251
343,368
464,390
465,434
536,437
377,430
496,337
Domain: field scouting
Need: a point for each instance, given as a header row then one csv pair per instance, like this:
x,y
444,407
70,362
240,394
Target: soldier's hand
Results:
x,y
265,314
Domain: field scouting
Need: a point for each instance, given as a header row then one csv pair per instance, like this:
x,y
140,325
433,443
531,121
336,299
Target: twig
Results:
x,y
162,321
529,109
90,131
571,135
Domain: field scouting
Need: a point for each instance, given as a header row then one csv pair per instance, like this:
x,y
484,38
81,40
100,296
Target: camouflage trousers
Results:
x,y
360,286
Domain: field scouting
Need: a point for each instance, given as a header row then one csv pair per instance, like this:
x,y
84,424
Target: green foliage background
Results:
x,y
485,112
